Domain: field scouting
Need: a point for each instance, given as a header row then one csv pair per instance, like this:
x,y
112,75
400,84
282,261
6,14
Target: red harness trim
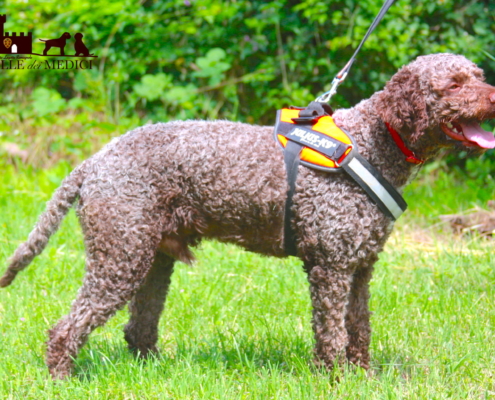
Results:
x,y
410,156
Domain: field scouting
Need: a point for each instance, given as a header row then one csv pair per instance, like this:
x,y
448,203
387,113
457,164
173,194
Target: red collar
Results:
x,y
410,157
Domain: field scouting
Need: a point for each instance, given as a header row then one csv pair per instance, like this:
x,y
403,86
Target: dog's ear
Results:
x,y
403,105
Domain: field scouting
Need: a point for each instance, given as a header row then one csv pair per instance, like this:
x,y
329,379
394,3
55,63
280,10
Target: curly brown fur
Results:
x,y
141,333
150,195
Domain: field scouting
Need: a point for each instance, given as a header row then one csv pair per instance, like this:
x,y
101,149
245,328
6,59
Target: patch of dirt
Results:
x,y
476,220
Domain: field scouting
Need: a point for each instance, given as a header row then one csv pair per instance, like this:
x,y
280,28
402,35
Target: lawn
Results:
x,y
237,325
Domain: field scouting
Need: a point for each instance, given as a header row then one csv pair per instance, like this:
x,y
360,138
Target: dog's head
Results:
x,y
66,35
78,36
437,101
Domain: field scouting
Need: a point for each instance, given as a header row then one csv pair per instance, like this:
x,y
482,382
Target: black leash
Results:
x,y
339,78
309,115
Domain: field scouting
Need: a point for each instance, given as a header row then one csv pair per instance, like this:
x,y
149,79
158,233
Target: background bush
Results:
x,y
238,59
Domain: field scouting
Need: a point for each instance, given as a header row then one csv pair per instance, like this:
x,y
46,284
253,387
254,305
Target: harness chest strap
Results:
x,y
301,141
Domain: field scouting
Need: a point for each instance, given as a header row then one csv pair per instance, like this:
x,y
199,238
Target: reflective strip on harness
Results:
x,y
386,197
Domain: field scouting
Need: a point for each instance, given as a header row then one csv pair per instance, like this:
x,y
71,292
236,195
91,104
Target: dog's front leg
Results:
x,y
357,319
329,288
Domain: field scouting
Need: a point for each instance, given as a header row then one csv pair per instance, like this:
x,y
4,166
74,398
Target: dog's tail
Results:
x,y
48,223
43,40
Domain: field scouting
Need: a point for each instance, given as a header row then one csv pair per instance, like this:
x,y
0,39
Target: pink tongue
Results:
x,y
474,133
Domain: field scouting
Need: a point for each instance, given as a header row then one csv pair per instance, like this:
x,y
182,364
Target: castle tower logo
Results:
x,y
13,44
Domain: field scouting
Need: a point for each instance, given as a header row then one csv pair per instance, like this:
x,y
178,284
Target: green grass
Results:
x,y
237,325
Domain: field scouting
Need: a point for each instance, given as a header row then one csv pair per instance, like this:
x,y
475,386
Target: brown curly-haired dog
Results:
x,y
150,195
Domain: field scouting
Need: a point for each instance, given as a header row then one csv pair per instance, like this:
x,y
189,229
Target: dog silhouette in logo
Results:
x,y
60,42
81,49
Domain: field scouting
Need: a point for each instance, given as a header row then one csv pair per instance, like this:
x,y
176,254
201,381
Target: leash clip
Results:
x,y
325,97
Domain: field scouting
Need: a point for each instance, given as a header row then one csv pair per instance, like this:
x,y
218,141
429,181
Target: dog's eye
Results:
x,y
455,87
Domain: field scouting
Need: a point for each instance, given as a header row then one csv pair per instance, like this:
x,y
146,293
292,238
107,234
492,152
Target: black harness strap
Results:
x,y
312,112
386,197
292,152
291,158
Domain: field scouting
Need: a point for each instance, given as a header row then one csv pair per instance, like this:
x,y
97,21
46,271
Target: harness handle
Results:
x,y
339,78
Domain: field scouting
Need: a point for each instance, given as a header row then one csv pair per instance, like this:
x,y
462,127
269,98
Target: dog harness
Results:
x,y
309,136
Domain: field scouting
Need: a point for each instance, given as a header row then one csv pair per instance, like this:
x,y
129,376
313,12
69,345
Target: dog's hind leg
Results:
x,y
141,333
358,318
120,252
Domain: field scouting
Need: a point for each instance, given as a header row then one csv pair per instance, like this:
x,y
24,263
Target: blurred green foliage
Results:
x,y
237,59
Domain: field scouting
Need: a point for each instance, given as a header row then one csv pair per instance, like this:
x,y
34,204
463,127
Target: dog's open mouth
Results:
x,y
471,134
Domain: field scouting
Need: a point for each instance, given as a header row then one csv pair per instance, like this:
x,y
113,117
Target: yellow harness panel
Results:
x,y
324,125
